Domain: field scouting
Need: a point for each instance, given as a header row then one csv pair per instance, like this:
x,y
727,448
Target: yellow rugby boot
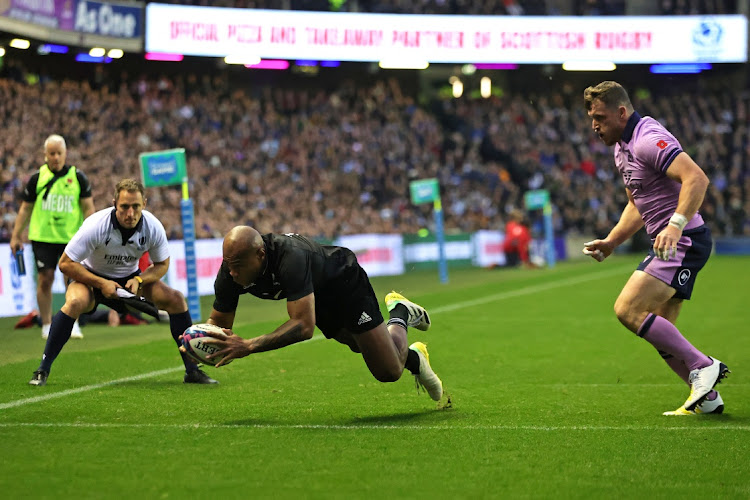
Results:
x,y
418,317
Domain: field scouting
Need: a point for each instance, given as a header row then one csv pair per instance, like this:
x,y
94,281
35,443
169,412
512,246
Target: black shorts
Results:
x,y
123,306
679,272
101,299
47,255
350,304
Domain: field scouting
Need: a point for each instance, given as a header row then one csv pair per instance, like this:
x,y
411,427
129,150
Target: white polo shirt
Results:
x,y
99,245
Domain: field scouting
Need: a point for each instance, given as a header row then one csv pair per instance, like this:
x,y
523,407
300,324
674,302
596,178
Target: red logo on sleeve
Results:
x,y
662,144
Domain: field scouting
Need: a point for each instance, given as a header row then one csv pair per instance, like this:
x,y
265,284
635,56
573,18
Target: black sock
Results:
x,y
400,312
412,361
178,323
59,333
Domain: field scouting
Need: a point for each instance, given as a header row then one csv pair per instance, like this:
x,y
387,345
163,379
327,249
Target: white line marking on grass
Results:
x,y
452,307
529,290
360,427
85,388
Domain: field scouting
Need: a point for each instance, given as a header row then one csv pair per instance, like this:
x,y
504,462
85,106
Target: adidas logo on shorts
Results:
x,y
364,318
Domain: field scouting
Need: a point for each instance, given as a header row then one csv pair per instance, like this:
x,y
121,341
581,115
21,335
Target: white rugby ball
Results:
x,y
193,340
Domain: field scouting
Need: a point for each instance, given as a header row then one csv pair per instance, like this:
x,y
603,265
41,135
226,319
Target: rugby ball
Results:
x,y
193,340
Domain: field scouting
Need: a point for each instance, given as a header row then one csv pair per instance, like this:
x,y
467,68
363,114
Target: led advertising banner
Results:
x,y
56,14
108,19
220,32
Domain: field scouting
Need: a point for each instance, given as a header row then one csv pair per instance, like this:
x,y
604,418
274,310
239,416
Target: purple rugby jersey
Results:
x,y
642,157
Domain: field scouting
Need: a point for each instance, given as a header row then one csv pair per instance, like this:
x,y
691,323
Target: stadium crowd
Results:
x,y
333,162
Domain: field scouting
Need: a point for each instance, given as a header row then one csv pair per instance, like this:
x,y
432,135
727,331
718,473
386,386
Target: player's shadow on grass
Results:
x,y
406,418
424,417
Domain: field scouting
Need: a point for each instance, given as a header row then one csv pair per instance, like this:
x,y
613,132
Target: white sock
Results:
x,y
45,329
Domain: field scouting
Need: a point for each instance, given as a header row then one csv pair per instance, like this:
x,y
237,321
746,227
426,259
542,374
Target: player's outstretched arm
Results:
x,y
299,327
629,224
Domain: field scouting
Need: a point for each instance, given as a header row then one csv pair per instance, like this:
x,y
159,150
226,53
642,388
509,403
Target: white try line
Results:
x,y
528,290
378,427
86,388
452,307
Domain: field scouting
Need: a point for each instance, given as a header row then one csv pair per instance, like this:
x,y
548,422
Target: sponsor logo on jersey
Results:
x,y
113,259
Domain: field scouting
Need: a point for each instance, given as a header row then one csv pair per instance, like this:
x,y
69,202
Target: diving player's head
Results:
x,y
55,152
129,202
609,107
244,254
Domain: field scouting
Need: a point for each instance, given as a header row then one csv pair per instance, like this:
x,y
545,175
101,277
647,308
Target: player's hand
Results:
x,y
665,244
227,332
15,244
109,289
231,347
133,286
598,249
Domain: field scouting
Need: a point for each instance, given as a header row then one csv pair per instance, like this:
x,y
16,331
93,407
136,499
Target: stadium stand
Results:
x,y
338,161
337,158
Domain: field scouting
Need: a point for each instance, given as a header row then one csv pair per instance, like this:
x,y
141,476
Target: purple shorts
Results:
x,y
679,272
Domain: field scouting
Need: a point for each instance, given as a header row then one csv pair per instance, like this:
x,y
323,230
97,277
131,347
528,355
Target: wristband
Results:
x,y
678,220
139,280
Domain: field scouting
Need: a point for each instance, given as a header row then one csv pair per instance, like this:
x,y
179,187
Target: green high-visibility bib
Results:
x,y
57,211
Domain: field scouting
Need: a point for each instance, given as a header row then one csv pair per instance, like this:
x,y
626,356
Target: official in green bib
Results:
x,y
54,203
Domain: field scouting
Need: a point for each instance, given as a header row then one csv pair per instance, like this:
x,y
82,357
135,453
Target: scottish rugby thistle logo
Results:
x,y
707,38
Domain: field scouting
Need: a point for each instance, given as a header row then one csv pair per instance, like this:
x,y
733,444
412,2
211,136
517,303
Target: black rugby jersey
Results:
x,y
295,267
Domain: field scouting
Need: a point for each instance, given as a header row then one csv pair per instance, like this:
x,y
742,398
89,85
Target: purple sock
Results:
x,y
664,336
678,366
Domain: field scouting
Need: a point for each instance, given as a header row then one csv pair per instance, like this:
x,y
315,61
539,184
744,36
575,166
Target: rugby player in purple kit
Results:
x,y
665,188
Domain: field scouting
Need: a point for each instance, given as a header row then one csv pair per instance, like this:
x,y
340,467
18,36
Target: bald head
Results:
x,y
241,241
244,254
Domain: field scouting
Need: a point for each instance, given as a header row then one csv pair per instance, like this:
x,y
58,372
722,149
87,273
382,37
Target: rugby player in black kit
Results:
x,y
324,286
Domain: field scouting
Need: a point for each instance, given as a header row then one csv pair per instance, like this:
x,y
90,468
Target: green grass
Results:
x,y
551,398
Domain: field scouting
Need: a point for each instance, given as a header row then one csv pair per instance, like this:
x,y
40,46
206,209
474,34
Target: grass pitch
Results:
x,y
551,398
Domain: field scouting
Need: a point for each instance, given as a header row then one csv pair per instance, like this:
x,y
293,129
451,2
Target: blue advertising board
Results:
x,y
109,19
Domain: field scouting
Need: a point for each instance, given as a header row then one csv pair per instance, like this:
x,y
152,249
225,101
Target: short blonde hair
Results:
x,y
130,185
612,94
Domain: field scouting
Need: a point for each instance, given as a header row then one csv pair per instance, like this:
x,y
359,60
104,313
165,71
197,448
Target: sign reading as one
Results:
x,y
163,168
424,191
